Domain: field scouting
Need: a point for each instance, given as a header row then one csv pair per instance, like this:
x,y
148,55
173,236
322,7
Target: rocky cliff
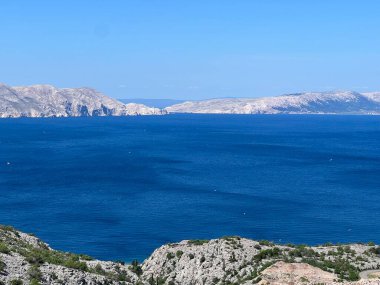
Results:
x,y
49,101
24,259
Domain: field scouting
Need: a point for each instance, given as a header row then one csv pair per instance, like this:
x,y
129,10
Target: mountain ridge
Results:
x,y
332,102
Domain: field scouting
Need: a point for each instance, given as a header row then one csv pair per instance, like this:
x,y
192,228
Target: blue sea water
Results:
x,y
117,188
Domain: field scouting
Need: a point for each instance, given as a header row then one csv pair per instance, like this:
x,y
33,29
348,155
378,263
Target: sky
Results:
x,y
194,49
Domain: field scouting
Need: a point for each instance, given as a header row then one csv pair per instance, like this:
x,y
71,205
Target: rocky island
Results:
x,y
24,259
336,102
49,101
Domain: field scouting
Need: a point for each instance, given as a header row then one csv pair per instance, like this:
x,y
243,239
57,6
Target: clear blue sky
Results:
x,y
192,49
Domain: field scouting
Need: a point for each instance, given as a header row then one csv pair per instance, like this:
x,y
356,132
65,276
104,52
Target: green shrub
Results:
x,y
266,242
179,253
267,253
266,265
16,282
7,228
375,250
136,268
170,255
2,266
34,282
353,275
340,266
34,273
197,241
85,257
231,238
157,281
34,258
40,256
302,251
347,249
75,264
4,248
232,257
54,276
123,276
99,269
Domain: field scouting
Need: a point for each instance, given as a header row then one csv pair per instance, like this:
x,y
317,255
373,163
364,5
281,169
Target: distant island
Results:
x,y
155,103
346,102
49,101
24,259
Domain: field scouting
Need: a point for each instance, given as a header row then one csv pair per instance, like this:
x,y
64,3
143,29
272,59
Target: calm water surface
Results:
x,y
116,188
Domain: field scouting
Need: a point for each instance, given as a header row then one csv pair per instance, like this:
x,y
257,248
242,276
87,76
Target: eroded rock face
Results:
x,y
49,101
282,273
301,103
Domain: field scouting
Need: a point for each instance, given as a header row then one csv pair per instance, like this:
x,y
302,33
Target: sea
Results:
x,y
116,188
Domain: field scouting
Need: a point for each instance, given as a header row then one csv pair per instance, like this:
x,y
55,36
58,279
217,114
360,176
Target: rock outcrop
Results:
x,y
24,259
49,101
301,103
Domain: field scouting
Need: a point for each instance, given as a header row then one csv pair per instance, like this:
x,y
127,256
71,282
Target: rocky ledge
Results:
x,y
24,259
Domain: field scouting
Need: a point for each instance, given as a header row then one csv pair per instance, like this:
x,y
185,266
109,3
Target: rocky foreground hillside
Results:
x,y
24,259
301,103
49,101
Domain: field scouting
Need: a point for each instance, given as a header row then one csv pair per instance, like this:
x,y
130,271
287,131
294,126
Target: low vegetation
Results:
x,y
197,242
136,268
